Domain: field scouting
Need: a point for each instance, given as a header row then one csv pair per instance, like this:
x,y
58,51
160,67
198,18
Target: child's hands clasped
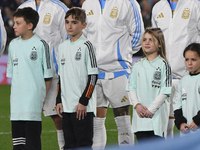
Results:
x,y
193,126
81,111
140,110
184,128
148,114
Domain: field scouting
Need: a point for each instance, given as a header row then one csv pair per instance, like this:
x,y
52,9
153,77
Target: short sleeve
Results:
x,y
177,97
47,61
132,81
9,72
90,58
166,80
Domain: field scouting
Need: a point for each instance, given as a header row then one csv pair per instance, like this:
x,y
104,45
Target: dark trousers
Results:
x,y
77,133
26,135
142,135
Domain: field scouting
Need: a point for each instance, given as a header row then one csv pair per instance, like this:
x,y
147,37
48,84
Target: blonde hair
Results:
x,y
158,34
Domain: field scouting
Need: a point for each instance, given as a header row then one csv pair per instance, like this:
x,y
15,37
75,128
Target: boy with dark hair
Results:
x,y
78,76
30,67
51,28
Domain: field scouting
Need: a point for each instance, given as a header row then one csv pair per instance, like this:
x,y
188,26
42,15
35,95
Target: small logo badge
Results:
x,y
78,56
161,15
199,89
33,55
90,13
186,13
114,13
62,61
157,74
47,18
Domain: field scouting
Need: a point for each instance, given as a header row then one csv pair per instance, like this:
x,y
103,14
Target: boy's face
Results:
x,y
21,27
74,27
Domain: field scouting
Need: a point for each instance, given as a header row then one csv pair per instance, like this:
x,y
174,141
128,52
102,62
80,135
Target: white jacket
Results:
x,y
51,25
3,36
179,31
116,34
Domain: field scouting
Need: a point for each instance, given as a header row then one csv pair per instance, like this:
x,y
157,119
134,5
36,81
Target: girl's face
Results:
x,y
192,61
149,44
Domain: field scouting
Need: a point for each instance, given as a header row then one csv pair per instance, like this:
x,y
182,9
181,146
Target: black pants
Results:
x,y
142,135
26,135
77,133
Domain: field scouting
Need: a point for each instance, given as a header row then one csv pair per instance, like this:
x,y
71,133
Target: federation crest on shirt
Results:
x,y
186,13
47,18
114,12
78,54
156,78
34,54
199,89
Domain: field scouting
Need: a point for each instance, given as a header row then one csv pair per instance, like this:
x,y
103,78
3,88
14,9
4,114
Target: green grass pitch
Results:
x,y
49,135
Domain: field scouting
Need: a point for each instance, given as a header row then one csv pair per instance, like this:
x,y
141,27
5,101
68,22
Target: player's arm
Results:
x,y
61,22
179,118
153,21
86,95
196,122
3,36
47,84
59,107
135,25
85,31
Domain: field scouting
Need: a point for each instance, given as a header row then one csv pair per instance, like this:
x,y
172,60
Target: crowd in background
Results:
x,y
9,6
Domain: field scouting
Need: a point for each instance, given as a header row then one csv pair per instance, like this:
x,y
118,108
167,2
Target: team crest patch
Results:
x,y
114,12
157,74
47,18
33,55
156,78
186,13
78,56
62,61
199,89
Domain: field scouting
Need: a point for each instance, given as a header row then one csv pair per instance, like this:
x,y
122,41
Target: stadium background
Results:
x,y
49,141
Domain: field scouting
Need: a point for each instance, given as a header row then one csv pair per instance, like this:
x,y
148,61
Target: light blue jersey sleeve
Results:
x,y
9,72
47,61
91,58
166,80
177,98
132,82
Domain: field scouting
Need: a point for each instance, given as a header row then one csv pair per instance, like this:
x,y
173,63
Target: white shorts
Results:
x,y
50,104
175,83
112,91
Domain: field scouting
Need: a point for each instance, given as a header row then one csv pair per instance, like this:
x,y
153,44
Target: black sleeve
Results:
x,y
92,79
58,98
196,119
179,118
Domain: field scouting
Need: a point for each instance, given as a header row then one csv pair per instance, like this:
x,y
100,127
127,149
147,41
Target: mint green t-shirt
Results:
x,y
187,97
29,62
149,79
76,61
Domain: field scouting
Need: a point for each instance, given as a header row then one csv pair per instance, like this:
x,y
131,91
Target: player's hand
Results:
x,y
148,114
184,128
81,111
140,110
59,109
193,126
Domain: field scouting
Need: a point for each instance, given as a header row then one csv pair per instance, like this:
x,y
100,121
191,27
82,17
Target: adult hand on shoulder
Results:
x,y
140,110
81,111
184,128
193,126
148,114
59,109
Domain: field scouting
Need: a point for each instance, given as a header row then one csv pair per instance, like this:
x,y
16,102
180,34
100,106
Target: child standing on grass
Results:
x,y
30,67
187,106
149,86
77,69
